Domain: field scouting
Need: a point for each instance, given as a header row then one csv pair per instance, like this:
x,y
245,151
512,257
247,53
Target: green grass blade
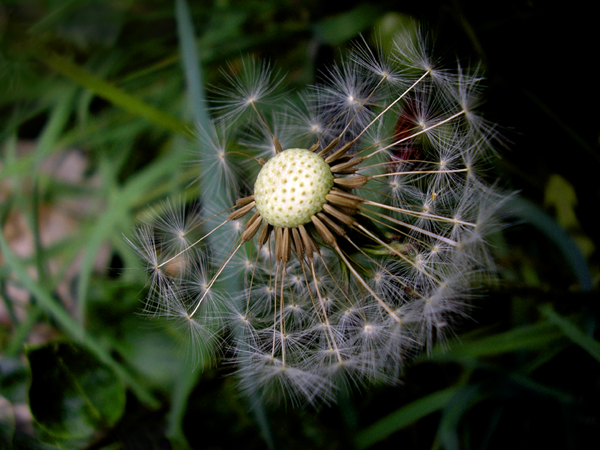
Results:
x,y
56,124
40,257
456,408
191,64
535,336
197,103
69,326
179,400
113,94
404,417
532,214
573,332
262,420
120,203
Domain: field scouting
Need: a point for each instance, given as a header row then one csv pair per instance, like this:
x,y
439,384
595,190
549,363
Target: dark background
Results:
x,y
525,367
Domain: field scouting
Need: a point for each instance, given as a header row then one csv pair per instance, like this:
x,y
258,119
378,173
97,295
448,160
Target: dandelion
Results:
x,y
358,241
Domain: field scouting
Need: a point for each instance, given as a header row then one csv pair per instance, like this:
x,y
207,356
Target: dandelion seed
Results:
x,y
362,232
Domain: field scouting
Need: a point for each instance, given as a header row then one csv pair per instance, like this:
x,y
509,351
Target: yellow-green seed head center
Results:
x,y
291,187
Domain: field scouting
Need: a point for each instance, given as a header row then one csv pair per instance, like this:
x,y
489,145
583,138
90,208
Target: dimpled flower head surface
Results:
x,y
338,234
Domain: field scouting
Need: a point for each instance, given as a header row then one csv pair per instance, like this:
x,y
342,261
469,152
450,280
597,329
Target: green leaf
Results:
x,y
72,394
404,417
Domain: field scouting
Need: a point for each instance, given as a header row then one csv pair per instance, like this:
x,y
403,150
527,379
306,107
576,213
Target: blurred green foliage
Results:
x,y
98,108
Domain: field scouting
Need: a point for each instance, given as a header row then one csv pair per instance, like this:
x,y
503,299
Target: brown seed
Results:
x,y
331,224
241,212
354,182
251,230
340,152
330,147
265,232
244,201
339,215
323,231
298,246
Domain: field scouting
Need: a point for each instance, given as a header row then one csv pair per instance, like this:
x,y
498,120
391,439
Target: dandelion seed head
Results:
x,y
349,238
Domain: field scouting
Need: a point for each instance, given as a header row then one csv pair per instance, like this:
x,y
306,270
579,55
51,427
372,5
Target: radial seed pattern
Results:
x,y
357,247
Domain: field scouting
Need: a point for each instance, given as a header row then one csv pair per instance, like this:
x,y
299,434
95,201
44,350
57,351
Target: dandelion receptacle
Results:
x,y
356,221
